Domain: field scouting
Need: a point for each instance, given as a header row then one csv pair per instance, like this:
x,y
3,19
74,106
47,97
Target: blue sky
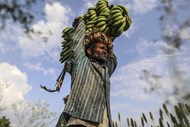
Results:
x,y
25,62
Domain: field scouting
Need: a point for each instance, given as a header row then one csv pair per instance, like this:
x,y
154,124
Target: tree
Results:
x,y
33,115
4,122
3,86
26,113
17,11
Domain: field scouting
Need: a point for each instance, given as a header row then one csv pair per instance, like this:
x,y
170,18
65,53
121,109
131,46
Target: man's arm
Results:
x,y
111,62
78,39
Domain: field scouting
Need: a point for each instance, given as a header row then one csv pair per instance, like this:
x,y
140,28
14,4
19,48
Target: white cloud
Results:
x,y
57,13
9,37
47,43
87,4
185,33
142,7
38,67
130,31
137,6
3,48
90,3
128,79
17,86
144,47
117,106
154,70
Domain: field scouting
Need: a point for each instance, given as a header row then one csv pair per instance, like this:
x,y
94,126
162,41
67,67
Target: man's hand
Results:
x,y
65,99
77,21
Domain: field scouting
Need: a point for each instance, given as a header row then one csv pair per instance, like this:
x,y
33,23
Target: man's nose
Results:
x,y
104,51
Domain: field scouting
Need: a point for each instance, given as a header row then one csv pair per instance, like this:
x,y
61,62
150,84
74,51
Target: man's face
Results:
x,y
100,52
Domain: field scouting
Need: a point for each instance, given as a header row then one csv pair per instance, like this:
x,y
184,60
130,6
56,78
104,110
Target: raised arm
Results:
x,y
111,62
78,40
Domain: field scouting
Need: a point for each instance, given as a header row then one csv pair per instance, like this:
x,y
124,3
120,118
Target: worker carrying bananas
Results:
x,y
91,65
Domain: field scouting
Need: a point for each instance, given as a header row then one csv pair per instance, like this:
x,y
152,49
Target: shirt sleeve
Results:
x,y
78,48
111,62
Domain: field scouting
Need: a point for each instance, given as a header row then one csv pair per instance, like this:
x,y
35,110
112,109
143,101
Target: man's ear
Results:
x,y
89,51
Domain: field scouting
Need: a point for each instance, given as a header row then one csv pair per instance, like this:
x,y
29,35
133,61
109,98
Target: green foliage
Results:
x,y
26,114
33,115
180,118
17,11
3,85
4,122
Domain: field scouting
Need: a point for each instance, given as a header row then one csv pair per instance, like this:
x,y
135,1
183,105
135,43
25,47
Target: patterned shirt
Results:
x,y
90,84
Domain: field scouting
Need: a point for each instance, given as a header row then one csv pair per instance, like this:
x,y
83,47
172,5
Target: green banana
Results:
x,y
65,31
121,28
128,23
70,31
64,49
104,14
91,8
117,19
94,19
103,27
101,9
87,15
112,12
117,8
102,2
66,43
125,11
65,56
126,26
87,31
116,24
101,6
90,22
129,20
100,16
123,19
101,19
101,24
116,15
106,10
67,38
92,16
106,30
92,12
90,29
89,26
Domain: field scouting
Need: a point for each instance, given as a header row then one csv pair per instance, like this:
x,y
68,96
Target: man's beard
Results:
x,y
99,57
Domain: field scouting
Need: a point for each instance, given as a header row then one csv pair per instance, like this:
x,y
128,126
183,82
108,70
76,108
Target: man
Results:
x,y
92,64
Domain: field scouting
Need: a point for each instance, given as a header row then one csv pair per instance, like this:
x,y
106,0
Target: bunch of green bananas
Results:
x,y
112,20
118,20
66,44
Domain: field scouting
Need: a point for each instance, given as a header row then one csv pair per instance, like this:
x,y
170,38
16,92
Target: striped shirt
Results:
x,y
90,84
